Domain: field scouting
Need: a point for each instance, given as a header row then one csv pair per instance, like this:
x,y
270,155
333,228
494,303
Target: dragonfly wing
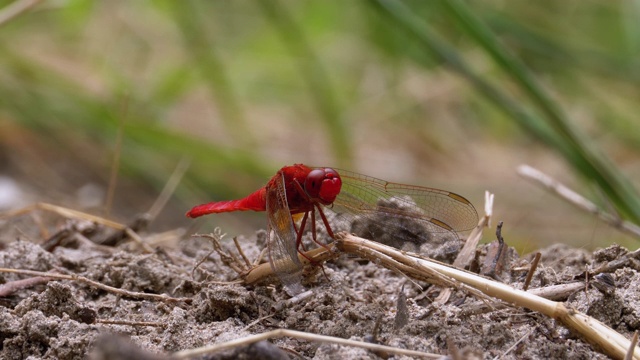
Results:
x,y
413,212
283,254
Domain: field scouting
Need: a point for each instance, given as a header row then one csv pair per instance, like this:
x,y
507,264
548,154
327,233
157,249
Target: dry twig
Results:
x,y
578,200
11,287
169,188
532,269
131,323
595,332
64,212
632,346
95,284
468,250
274,334
16,8
317,256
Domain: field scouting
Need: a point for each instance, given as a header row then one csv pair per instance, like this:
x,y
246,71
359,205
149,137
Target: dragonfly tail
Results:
x,y
255,202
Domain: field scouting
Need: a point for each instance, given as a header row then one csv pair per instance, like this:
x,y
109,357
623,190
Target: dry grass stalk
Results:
x,y
15,9
318,256
468,250
578,200
274,334
75,214
64,212
595,332
95,284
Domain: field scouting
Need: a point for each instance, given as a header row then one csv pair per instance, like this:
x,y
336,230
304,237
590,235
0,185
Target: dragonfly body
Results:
x,y
300,189
255,202
295,179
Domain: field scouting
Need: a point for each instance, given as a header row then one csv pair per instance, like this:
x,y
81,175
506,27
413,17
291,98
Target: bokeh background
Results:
x,y
446,94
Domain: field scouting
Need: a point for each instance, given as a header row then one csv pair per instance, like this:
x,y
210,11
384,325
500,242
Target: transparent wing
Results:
x,y
283,255
413,213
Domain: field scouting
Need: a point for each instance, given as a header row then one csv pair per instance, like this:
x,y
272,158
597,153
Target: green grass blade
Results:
x,y
315,75
585,159
205,57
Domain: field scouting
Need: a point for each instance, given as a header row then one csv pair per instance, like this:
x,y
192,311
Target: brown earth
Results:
x,y
357,299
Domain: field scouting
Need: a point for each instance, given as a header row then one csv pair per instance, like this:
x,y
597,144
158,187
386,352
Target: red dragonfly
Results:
x,y
300,189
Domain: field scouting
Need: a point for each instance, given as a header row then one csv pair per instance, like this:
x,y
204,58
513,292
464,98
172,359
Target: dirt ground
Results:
x,y
357,299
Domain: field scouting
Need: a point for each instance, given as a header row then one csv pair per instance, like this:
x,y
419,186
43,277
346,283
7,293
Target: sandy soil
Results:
x,y
357,299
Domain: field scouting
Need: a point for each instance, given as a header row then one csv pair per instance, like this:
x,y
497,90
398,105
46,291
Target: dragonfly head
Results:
x,y
323,185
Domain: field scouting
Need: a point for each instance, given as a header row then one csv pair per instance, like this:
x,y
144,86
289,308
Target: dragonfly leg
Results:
x,y
313,233
300,244
295,227
299,239
313,218
325,221
299,232
313,227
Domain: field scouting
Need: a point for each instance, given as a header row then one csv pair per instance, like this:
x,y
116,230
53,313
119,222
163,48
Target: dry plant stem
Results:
x,y
634,342
169,188
13,286
552,292
239,282
318,256
65,212
468,250
228,258
70,213
239,248
44,232
258,260
256,321
200,262
493,264
16,8
613,343
237,260
185,354
613,265
71,228
558,292
401,261
292,301
132,234
82,279
115,165
532,270
578,200
131,323
512,347
161,239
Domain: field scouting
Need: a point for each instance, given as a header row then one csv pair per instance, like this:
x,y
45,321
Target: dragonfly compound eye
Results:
x,y
313,183
323,184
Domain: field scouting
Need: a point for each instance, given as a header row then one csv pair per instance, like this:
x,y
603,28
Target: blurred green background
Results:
x,y
446,94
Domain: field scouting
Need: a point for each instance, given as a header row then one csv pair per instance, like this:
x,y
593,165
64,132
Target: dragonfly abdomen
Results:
x,y
254,202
